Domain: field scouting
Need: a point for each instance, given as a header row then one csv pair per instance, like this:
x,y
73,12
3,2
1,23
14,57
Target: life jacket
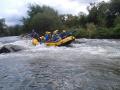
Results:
x,y
42,39
47,37
55,37
63,34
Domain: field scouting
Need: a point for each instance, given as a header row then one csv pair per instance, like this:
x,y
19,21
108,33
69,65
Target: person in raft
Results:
x,y
48,36
34,34
55,36
63,34
42,39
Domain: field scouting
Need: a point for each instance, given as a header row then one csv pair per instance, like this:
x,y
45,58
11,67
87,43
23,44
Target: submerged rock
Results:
x,y
10,48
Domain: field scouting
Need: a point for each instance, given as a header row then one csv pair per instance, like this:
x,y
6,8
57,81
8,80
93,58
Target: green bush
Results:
x,y
103,32
91,30
116,31
80,33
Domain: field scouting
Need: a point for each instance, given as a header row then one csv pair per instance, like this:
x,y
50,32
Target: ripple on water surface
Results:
x,y
90,65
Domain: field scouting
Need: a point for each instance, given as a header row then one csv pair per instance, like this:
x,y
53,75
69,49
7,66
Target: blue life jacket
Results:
x,y
47,37
55,37
63,34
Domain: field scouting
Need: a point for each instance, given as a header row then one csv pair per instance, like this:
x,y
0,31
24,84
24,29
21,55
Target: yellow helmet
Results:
x,y
56,31
64,30
47,32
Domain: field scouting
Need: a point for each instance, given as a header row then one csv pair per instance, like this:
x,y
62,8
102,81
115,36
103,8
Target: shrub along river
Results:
x,y
87,64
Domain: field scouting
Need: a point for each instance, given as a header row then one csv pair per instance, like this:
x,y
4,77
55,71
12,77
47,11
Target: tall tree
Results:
x,y
41,18
97,13
2,27
82,19
113,12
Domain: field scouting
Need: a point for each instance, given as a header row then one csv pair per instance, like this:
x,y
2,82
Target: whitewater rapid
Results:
x,y
103,47
86,64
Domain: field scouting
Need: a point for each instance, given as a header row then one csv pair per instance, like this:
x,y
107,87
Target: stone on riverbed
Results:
x,y
10,48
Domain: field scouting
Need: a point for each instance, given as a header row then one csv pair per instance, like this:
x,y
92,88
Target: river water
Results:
x,y
86,64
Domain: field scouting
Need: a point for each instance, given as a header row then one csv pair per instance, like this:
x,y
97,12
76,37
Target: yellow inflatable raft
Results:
x,y
61,42
35,41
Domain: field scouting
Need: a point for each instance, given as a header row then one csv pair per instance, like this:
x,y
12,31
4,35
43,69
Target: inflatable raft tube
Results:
x,y
35,41
62,42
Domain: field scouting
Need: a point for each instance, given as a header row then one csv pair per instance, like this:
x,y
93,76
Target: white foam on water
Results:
x,y
9,39
23,43
94,50
30,49
43,47
110,41
82,48
98,46
1,44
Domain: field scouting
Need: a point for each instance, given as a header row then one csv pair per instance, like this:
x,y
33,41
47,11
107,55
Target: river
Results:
x,y
87,64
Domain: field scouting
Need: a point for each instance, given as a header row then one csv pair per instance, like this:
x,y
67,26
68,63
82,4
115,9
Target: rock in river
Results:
x,y
10,48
